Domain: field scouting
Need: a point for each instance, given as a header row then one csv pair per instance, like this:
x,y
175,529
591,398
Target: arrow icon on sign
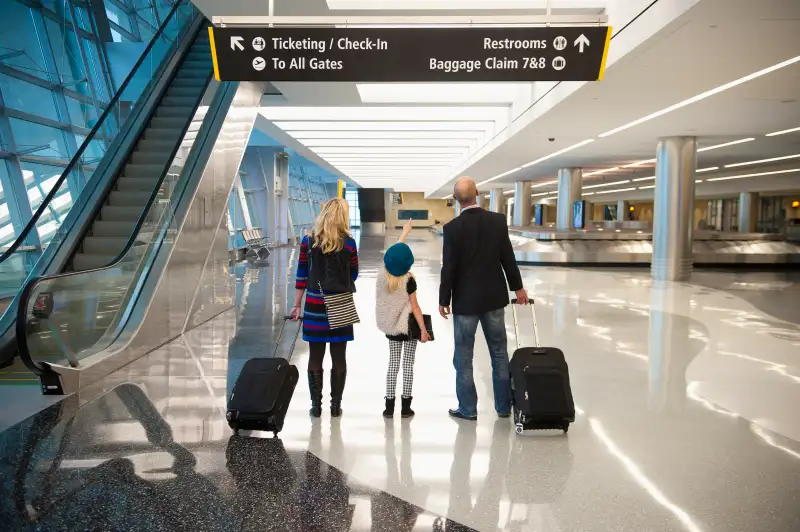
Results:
x,y
236,42
581,41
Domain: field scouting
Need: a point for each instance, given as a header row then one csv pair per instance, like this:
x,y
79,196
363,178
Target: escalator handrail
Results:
x,y
45,204
25,293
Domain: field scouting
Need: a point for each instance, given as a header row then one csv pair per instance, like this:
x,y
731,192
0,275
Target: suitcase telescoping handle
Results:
x,y
516,323
280,333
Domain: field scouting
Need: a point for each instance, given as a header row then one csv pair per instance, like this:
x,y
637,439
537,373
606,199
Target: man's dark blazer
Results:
x,y
476,252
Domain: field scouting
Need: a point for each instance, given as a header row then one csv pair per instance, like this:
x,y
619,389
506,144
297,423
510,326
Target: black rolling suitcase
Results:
x,y
261,395
540,390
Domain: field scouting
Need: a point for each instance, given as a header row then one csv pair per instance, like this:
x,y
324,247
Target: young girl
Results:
x,y
396,300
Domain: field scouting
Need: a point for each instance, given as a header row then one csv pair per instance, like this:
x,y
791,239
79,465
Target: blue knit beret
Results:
x,y
398,259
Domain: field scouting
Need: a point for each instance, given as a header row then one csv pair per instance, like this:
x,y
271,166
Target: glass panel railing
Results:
x,y
71,316
69,190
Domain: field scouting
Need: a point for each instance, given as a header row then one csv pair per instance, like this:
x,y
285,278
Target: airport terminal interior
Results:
x,y
161,162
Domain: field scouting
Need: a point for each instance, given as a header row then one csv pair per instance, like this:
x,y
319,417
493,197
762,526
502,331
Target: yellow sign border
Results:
x,y
214,52
605,55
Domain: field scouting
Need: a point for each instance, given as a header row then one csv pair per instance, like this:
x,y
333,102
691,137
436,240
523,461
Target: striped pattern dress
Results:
x,y
315,319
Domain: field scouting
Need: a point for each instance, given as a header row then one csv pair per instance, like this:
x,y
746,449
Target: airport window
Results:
x,y
351,195
54,84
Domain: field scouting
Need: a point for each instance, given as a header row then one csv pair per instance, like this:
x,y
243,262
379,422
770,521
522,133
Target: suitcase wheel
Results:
x,y
518,428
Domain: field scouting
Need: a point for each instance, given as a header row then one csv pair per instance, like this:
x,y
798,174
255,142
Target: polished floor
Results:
x,y
687,401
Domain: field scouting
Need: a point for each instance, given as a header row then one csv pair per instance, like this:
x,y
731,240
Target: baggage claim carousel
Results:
x,y
629,243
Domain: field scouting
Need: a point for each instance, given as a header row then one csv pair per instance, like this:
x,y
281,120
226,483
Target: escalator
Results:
x,y
176,141
146,118
143,255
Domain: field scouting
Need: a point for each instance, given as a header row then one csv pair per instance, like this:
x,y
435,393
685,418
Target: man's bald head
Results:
x,y
465,191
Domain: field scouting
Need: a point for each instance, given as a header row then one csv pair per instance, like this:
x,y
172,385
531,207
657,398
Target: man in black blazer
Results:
x,y
478,270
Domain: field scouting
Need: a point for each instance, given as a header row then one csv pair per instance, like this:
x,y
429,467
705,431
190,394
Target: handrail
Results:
x,y
45,204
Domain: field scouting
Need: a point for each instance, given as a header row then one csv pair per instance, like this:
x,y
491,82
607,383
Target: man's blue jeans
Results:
x,y
494,329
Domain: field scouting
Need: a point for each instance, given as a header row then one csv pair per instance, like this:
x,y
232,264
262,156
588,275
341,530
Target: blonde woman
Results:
x,y
328,255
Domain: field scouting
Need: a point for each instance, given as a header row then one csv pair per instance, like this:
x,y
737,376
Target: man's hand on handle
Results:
x,y
444,311
522,297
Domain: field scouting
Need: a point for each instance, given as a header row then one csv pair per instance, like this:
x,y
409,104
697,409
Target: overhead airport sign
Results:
x,y
410,54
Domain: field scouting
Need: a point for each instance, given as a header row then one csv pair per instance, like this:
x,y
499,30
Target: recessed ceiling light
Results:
x,y
754,175
785,131
616,190
703,96
645,178
366,134
559,152
772,160
444,93
698,180
599,172
608,184
709,169
587,193
540,194
384,113
408,150
399,125
733,143
545,183
639,163
386,143
648,186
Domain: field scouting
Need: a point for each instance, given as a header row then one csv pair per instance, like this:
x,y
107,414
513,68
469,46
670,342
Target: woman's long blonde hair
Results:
x,y
394,283
332,226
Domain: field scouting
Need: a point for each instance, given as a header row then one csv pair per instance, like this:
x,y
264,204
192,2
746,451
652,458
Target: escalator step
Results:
x,y
104,245
168,122
125,184
143,170
193,92
117,213
129,198
164,146
172,111
112,229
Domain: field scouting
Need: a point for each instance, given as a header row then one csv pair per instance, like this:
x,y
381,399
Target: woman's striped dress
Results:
x,y
315,320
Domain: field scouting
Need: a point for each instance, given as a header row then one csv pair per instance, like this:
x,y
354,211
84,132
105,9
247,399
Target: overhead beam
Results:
x,y
509,20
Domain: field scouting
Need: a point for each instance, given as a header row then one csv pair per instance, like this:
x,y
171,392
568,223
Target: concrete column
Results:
x,y
676,161
570,183
622,210
483,201
522,204
589,209
748,212
497,201
280,191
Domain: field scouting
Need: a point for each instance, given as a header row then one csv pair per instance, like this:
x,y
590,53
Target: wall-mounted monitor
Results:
x,y
538,214
412,214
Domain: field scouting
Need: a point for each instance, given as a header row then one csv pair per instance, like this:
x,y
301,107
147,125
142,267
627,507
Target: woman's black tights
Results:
x,y
338,350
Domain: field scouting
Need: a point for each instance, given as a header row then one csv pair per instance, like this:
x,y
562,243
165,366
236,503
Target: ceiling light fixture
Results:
x,y
400,135
639,163
587,194
709,169
698,180
772,160
754,175
559,152
540,194
616,190
785,131
645,178
608,184
648,186
702,96
545,183
726,144
399,125
498,176
385,113
599,172
407,150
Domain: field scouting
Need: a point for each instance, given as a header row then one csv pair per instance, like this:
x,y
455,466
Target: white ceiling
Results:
x,y
420,137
